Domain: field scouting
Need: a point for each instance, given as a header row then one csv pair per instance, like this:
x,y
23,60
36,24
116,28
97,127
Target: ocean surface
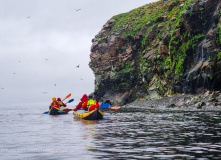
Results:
x,y
128,133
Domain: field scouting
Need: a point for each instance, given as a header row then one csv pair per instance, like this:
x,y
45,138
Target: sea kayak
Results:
x,y
57,111
92,115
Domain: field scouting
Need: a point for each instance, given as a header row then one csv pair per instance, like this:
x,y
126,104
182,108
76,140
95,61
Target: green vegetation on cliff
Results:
x,y
169,16
169,46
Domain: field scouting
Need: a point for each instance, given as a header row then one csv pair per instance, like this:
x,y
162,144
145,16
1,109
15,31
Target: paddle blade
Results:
x,y
45,112
61,111
104,106
71,100
69,95
114,107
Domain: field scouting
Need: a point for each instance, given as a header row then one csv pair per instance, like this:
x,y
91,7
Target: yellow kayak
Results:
x,y
92,115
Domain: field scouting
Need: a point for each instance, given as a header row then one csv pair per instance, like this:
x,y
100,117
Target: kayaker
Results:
x,y
54,103
87,104
60,103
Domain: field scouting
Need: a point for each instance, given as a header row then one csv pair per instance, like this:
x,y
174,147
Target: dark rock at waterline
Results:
x,y
199,105
212,100
158,50
179,102
171,105
215,94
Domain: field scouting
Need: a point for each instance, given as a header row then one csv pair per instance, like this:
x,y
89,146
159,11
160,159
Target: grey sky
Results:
x,y
32,31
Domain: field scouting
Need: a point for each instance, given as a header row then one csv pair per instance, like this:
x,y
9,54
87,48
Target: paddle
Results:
x,y
67,109
118,107
107,106
58,111
61,112
67,97
104,106
71,100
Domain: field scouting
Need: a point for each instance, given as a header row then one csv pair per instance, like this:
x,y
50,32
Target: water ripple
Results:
x,y
133,133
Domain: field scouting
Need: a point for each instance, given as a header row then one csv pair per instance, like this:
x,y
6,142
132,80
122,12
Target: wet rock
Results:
x,y
199,105
215,95
185,105
180,103
153,95
207,93
196,99
171,105
209,104
217,104
212,100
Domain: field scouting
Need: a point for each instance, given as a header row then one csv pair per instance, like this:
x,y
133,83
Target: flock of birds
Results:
x,y
78,66
46,58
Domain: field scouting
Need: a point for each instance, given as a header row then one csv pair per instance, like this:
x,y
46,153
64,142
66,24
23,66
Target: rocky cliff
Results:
x,y
157,50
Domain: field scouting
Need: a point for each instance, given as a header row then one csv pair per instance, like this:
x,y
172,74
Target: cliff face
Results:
x,y
160,49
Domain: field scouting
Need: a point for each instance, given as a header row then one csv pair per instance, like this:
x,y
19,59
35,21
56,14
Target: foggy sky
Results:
x,y
42,42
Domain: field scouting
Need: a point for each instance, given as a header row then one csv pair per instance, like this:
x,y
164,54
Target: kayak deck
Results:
x,y
92,115
56,111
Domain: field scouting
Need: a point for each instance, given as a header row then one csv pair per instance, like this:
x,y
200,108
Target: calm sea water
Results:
x,y
129,133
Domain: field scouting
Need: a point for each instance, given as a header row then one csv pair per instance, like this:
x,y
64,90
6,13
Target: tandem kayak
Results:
x,y
56,111
92,115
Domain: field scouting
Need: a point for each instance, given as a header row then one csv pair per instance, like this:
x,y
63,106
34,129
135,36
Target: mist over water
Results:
x,y
127,133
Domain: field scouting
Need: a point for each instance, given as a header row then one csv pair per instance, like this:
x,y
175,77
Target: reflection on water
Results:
x,y
132,133
169,135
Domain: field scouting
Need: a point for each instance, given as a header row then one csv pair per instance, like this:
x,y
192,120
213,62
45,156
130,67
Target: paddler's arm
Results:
x,y
64,104
78,106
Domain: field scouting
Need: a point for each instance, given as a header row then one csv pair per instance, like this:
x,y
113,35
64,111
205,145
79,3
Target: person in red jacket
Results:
x,y
60,103
54,103
87,104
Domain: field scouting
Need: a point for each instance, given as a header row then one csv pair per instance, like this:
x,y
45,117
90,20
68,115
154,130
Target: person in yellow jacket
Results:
x,y
87,104
60,103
